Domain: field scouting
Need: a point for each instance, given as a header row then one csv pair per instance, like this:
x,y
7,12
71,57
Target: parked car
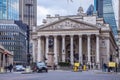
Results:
x,y
19,68
41,67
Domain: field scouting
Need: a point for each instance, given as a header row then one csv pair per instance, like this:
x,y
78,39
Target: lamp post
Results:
x,y
28,32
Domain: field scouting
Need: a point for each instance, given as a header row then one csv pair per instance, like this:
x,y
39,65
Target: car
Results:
x,y
41,67
19,68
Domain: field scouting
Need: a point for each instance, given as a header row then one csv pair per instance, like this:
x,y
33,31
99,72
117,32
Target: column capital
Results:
x,y
34,39
80,35
71,35
46,36
63,35
39,37
88,35
54,35
97,35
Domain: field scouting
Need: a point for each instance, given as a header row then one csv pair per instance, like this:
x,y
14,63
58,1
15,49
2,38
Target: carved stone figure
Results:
x,y
80,11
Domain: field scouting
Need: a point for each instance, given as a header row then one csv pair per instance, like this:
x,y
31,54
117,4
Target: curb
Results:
x,y
2,72
27,73
107,73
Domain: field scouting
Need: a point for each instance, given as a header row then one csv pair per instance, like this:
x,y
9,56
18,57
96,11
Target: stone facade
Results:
x,y
6,58
74,38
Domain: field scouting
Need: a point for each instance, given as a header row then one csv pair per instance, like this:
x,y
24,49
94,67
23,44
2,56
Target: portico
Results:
x,y
74,45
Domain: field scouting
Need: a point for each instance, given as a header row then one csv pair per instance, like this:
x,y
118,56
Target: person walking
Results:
x,y
10,67
104,67
54,67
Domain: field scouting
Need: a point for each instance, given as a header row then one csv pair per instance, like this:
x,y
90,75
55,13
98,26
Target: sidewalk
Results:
x,y
102,72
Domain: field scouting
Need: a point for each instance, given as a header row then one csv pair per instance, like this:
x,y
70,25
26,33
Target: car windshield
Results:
x,y
40,64
19,66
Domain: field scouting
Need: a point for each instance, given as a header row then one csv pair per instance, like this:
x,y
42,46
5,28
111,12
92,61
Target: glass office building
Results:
x,y
9,9
90,10
14,32
104,8
13,37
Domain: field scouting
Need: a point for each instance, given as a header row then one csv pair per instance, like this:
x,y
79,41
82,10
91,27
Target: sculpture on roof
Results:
x,y
80,11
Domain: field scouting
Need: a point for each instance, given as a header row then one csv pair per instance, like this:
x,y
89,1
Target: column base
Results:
x,y
89,65
50,61
63,57
2,70
97,65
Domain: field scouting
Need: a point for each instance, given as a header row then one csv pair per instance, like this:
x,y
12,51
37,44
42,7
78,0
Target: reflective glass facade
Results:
x,y
9,9
104,9
90,10
13,36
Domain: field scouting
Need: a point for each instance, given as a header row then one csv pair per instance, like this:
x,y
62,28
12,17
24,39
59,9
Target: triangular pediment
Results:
x,y
68,24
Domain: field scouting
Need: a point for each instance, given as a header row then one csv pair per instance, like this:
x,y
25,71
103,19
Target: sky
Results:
x,y
62,7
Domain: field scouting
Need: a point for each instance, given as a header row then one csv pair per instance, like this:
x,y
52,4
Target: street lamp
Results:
x,y
28,31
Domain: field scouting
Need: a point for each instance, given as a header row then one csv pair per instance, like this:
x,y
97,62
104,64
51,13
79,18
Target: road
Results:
x,y
61,75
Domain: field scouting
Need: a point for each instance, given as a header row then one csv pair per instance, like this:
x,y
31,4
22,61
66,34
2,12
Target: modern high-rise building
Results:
x,y
13,36
13,32
90,10
104,8
25,10
98,7
9,9
28,12
118,14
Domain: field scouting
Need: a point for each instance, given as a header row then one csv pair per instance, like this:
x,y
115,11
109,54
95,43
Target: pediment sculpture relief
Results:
x,y
68,24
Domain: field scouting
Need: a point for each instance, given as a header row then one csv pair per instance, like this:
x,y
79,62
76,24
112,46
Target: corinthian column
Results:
x,y
55,50
88,47
71,50
80,49
47,46
63,48
33,51
97,52
3,63
39,56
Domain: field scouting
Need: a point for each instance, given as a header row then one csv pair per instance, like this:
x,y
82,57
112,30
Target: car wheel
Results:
x,y
46,70
39,71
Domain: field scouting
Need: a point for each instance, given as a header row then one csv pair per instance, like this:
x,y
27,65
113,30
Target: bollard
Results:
x,y
75,69
84,68
27,70
2,70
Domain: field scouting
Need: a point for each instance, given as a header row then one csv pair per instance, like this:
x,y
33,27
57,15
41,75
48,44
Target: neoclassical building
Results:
x,y
74,38
6,58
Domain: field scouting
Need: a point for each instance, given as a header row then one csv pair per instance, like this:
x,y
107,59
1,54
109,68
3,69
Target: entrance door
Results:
x,y
68,53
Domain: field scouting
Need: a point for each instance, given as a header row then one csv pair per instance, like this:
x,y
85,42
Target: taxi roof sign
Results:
x,y
112,64
77,64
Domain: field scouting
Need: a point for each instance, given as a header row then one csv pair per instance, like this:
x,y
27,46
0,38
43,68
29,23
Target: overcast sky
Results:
x,y
62,7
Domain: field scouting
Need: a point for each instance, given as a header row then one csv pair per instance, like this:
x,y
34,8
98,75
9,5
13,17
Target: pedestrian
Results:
x,y
104,67
54,67
10,67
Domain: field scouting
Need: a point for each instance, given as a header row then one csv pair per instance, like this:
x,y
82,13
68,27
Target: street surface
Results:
x,y
61,75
